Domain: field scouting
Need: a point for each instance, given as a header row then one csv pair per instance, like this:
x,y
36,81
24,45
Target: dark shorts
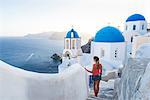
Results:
x,y
97,77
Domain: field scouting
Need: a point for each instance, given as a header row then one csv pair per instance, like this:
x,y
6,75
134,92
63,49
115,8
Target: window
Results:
x,y
142,27
67,44
102,53
131,39
126,27
73,44
72,35
134,27
67,54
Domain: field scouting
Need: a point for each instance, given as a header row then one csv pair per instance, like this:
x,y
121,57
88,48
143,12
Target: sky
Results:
x,y
21,17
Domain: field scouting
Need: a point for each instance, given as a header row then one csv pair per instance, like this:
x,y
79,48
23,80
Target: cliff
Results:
x,y
130,82
135,78
87,47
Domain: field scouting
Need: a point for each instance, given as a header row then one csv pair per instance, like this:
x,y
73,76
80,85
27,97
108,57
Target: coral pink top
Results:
x,y
96,70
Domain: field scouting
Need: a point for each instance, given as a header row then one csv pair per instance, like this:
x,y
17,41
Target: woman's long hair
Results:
x,y
96,59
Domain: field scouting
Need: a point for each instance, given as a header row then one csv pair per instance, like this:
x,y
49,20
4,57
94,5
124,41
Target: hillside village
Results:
x,y
125,60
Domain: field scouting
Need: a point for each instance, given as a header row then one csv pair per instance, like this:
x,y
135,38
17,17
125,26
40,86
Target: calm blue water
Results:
x,y
31,54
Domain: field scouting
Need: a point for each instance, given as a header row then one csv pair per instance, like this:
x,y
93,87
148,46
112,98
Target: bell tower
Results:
x,y
72,45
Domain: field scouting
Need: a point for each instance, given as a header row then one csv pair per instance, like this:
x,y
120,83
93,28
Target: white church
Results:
x,y
72,45
135,33
109,45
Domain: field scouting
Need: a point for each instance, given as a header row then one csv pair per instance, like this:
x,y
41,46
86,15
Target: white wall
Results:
x,y
18,84
109,51
138,27
139,41
96,49
121,52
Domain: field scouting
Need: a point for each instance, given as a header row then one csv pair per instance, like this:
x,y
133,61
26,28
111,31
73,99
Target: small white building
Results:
x,y
135,25
135,33
72,50
109,45
72,45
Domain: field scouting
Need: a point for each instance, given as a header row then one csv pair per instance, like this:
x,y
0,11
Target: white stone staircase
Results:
x,y
104,94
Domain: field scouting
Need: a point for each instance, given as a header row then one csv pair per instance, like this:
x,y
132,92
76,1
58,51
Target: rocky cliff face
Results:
x,y
87,47
129,85
134,83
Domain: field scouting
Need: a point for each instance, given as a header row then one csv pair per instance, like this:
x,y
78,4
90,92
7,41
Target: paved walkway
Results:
x,y
104,94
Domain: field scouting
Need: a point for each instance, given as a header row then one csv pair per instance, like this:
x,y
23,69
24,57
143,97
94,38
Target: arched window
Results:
x,y
67,44
72,34
67,54
102,53
142,27
134,27
73,44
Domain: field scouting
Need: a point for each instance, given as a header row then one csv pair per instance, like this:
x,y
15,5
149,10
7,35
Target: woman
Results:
x,y
96,74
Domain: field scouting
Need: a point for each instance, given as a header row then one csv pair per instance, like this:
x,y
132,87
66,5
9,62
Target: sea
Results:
x,y
32,54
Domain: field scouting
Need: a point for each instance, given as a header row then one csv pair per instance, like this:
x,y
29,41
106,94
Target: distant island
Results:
x,y
54,35
49,35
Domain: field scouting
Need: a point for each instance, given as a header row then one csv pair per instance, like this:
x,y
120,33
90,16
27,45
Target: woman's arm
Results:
x,y
88,70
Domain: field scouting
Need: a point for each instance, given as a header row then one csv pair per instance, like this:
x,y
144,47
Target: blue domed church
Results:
x,y
134,30
72,45
135,25
109,45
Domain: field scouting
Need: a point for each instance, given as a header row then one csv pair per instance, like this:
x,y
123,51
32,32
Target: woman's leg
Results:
x,y
98,82
94,87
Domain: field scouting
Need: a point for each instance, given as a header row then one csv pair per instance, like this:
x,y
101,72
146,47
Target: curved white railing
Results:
x,y
18,84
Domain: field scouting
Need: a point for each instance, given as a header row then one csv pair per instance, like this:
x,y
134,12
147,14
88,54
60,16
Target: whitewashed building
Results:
x,y
72,45
135,25
109,45
135,33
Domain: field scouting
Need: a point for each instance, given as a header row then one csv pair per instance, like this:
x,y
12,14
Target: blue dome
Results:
x,y
136,17
109,34
72,34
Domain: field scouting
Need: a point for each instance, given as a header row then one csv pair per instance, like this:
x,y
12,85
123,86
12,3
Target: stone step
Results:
x,y
104,94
